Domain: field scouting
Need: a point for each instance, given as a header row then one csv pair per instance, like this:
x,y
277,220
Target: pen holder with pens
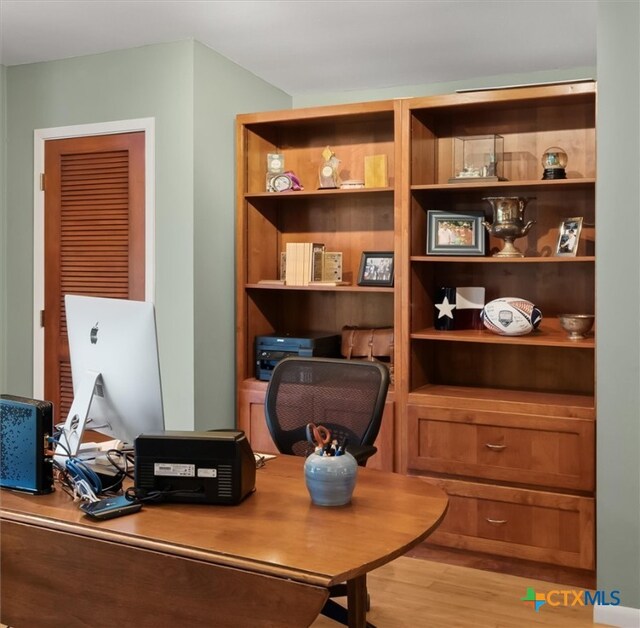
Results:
x,y
330,480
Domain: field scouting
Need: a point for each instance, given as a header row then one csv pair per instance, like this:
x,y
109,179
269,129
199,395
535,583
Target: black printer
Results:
x,y
214,467
272,348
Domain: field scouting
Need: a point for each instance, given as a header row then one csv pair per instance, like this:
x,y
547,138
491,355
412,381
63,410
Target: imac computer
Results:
x,y
115,370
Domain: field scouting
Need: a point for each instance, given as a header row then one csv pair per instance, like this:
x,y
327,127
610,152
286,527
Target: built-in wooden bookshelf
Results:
x,y
349,221
505,424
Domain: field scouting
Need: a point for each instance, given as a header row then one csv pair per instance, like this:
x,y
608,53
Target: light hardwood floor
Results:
x,y
417,593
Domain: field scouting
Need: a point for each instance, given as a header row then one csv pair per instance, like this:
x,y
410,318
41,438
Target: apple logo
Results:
x,y
94,334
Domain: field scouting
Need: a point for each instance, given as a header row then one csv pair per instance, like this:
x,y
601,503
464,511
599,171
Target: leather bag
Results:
x,y
375,343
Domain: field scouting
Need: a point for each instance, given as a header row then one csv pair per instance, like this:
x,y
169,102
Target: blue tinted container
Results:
x,y
330,480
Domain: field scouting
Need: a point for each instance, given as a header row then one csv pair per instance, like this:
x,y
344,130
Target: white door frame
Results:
x,y
147,125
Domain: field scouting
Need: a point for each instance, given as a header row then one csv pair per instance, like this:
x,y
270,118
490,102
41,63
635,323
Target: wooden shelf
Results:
x,y
269,286
466,259
501,400
291,194
380,111
549,334
484,185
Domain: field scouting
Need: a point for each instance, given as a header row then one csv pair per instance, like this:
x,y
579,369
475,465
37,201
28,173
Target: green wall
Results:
x,y
152,81
221,91
194,94
618,300
409,91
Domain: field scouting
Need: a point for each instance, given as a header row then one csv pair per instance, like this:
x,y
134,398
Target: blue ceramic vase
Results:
x,y
330,480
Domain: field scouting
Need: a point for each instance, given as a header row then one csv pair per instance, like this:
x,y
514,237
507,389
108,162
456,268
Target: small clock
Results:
x,y
280,183
283,182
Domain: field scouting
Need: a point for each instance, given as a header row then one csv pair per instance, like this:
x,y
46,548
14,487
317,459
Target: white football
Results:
x,y
511,316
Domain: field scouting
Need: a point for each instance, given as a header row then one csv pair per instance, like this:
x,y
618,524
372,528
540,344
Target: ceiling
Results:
x,y
305,46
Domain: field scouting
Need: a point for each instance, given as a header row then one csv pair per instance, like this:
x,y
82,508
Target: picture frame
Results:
x,y
376,269
569,237
456,233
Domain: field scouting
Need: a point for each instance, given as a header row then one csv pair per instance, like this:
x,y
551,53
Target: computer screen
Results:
x,y
115,369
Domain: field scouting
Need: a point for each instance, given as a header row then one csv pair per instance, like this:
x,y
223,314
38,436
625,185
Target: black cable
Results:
x,y
140,495
128,462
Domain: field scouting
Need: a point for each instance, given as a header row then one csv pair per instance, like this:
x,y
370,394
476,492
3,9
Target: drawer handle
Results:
x,y
495,447
497,522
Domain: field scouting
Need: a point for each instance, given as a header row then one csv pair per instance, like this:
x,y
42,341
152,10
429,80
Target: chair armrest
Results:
x,y
362,453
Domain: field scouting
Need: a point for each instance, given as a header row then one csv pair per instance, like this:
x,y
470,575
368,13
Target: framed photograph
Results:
x,y
450,233
376,269
568,237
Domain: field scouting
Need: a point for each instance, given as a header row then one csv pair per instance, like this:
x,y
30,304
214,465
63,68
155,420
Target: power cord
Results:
x,y
79,480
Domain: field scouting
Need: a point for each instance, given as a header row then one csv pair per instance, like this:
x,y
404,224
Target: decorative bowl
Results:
x,y
578,325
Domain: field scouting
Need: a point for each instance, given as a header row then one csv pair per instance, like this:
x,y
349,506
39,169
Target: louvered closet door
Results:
x,y
94,237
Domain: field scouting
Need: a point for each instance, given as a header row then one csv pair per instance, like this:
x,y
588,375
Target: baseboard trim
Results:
x,y
620,616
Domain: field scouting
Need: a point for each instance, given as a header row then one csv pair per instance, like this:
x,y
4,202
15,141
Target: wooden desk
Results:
x,y
266,562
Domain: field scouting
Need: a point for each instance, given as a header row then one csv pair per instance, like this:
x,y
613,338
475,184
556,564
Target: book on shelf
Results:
x,y
294,262
303,262
375,171
317,255
274,282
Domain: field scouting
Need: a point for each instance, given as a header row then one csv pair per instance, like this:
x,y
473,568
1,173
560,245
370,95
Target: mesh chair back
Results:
x,y
345,396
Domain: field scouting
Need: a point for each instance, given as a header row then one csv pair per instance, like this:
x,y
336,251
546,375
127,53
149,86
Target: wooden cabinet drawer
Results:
x,y
520,448
519,523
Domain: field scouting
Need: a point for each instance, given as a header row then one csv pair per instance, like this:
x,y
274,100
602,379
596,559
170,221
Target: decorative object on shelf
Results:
x,y
450,233
352,184
477,158
554,162
329,170
376,269
275,163
577,325
469,304
375,171
508,222
275,167
332,268
569,236
330,479
458,308
511,316
444,305
283,182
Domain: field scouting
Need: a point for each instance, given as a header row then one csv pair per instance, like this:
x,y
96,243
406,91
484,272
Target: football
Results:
x,y
511,316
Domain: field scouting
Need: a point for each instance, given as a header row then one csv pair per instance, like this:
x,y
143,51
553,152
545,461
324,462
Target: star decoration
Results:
x,y
445,308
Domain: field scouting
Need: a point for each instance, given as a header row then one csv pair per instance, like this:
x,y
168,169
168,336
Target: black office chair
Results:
x,y
345,396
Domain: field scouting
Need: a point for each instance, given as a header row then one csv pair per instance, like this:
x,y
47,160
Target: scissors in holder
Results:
x,y
318,435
